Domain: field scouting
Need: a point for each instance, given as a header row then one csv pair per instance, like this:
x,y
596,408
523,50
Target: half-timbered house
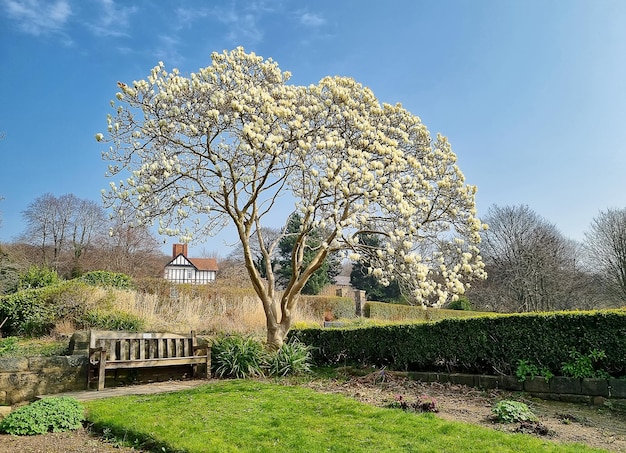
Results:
x,y
182,269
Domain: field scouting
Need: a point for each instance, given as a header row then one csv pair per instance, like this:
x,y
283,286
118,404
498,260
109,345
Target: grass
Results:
x,y
246,415
29,347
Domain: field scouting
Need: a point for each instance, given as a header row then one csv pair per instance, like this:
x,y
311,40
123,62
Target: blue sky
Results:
x,y
531,94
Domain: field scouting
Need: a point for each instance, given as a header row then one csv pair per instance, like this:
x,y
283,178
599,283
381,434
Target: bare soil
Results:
x,y
596,427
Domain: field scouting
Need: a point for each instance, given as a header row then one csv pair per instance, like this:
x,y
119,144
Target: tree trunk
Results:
x,y
275,336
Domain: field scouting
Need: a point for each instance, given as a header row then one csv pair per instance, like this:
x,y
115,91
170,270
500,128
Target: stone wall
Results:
x,y
558,388
22,379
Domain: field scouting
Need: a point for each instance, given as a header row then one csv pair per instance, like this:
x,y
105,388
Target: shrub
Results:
x,y
237,356
582,366
34,312
508,411
526,369
37,277
460,304
107,279
43,416
27,312
293,357
113,320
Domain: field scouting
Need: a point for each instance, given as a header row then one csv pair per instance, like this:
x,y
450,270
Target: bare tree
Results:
x,y
129,249
531,266
59,225
41,225
605,247
87,220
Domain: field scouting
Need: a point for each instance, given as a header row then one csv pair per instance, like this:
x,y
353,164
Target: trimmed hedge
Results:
x,y
396,312
489,345
330,306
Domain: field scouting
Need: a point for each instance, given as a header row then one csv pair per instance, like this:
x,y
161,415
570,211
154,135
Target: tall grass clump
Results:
x,y
237,357
292,358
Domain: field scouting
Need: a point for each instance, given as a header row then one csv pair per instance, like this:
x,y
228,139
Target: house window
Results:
x,y
189,275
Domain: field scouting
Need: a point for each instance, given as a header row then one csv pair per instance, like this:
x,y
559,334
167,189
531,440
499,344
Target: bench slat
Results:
x,y
171,361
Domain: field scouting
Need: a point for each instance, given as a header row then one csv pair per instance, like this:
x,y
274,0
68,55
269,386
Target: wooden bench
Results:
x,y
110,350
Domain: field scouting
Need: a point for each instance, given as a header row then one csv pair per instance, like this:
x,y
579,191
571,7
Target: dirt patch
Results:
x,y
559,422
80,441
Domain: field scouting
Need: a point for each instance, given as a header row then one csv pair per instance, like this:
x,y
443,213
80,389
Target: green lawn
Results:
x,y
247,415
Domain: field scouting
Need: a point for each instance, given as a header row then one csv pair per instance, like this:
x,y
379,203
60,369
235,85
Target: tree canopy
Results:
x,y
222,145
605,244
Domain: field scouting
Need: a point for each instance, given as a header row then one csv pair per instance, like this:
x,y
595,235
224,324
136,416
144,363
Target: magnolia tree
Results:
x,y
221,146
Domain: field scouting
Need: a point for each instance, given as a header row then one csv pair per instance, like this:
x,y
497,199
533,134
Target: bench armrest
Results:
x,y
206,348
95,353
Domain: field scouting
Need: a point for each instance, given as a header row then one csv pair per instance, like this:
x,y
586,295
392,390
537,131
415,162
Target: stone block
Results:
x,y
13,364
40,363
442,378
569,398
421,376
562,384
79,343
595,387
10,381
3,397
617,388
19,395
599,401
537,385
4,411
488,382
463,379
511,383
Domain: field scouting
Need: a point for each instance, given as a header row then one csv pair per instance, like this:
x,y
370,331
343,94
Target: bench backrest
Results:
x,y
143,346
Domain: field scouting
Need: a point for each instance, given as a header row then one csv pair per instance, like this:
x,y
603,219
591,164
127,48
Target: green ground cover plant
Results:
x,y
43,416
509,411
252,415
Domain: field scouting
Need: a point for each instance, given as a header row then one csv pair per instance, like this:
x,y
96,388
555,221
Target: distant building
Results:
x,y
182,269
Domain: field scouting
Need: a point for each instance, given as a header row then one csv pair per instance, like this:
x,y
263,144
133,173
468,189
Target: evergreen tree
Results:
x,y
361,279
323,276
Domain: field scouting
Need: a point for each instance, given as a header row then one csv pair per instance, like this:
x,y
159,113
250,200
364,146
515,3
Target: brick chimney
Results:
x,y
177,249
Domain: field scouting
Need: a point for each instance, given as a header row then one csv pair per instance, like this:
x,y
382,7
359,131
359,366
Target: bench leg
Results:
x,y
101,369
208,363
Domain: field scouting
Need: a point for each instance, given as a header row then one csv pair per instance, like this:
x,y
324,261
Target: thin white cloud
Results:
x,y
312,20
113,20
168,51
38,17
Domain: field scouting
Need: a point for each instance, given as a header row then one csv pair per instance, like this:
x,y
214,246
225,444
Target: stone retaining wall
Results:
x,y
22,379
559,388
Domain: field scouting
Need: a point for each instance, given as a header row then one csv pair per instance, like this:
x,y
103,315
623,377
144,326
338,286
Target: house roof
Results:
x,y
204,264
201,264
